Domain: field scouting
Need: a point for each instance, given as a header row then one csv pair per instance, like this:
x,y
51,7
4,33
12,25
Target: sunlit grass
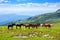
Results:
x,y
6,34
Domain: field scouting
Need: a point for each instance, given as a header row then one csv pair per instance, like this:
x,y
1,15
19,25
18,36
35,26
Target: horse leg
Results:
x,y
25,26
20,26
8,27
49,26
36,27
42,25
16,27
29,27
33,26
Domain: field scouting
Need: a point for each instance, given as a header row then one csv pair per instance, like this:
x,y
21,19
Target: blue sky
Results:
x,y
28,7
28,1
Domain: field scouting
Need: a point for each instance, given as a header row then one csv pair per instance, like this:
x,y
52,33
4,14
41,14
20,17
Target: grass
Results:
x,y
54,31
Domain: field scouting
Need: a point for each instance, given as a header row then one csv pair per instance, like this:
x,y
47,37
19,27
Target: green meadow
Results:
x,y
41,33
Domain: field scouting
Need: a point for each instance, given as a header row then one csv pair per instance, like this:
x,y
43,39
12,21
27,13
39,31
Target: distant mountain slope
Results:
x,y
58,10
47,17
53,21
10,18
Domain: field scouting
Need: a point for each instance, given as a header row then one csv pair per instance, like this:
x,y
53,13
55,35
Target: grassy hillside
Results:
x,y
53,20
40,33
47,17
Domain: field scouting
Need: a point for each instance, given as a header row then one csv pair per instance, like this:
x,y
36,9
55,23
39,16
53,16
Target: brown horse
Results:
x,y
35,25
27,26
46,25
32,25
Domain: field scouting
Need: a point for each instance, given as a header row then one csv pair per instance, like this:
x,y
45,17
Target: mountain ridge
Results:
x,y
53,17
43,18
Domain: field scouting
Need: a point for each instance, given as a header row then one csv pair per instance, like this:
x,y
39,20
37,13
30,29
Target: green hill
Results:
x,y
47,17
53,21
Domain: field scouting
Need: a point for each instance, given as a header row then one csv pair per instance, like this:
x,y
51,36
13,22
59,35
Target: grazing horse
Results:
x,y
46,25
27,26
32,25
18,25
10,26
35,25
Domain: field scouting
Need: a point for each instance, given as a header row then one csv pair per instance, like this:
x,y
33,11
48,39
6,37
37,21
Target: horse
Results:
x,y
10,26
18,25
35,25
46,25
31,25
27,25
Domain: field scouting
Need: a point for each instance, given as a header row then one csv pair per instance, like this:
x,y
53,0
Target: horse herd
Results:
x,y
29,25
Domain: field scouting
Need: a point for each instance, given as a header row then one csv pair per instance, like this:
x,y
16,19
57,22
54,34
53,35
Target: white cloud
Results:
x,y
29,8
3,1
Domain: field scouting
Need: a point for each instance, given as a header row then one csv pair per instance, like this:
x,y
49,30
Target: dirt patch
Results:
x,y
48,36
31,34
20,37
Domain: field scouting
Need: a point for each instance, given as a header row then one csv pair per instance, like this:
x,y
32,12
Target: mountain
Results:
x,y
10,18
53,17
58,10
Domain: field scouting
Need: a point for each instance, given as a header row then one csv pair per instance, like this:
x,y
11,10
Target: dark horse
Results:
x,y
10,26
18,25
